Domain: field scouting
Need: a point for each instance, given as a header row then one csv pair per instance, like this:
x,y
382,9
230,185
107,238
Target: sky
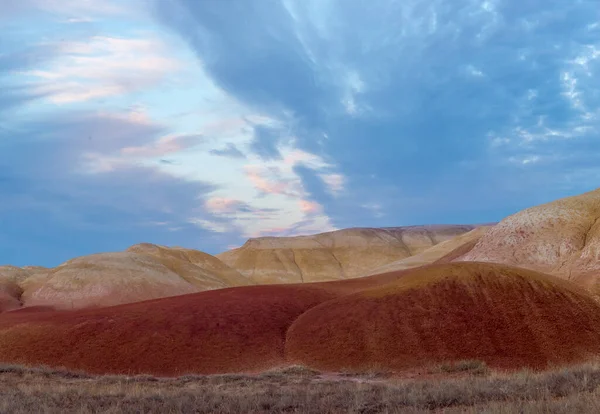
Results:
x,y
202,123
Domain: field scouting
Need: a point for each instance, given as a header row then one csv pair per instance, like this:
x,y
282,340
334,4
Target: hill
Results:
x,y
142,272
560,238
435,253
341,254
505,316
227,330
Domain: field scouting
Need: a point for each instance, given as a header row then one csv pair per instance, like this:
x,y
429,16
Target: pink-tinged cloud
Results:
x,y
264,185
310,207
102,67
222,205
166,145
312,161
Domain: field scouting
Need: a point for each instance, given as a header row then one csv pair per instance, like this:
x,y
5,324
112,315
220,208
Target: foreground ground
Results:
x,y
466,387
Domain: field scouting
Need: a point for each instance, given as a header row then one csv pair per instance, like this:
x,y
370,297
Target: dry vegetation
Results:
x,y
299,390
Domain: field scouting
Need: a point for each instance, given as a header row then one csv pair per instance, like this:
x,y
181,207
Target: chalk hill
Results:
x,y
560,238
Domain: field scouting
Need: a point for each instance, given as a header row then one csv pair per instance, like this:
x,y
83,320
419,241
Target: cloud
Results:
x,y
434,100
163,146
310,207
334,182
212,226
265,142
223,205
57,210
103,66
230,150
13,94
75,8
268,181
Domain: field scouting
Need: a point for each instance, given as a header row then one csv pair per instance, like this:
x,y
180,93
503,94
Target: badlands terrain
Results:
x,y
460,305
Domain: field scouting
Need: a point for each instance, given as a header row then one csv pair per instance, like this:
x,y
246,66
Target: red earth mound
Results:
x,y
506,316
228,330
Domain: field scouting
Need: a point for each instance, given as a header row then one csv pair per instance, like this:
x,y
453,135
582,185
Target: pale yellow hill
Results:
x,y
336,255
142,272
433,253
104,279
199,268
561,238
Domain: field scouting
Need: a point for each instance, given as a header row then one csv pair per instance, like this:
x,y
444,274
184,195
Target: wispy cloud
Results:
x,y
103,67
220,205
74,9
163,146
54,180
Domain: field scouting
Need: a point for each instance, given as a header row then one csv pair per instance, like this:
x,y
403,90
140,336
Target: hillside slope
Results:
x,y
435,252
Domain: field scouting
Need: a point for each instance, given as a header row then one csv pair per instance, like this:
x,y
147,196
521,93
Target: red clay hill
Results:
x,y
506,316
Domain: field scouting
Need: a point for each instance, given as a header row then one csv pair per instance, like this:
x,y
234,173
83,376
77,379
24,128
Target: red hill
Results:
x,y
506,316
503,315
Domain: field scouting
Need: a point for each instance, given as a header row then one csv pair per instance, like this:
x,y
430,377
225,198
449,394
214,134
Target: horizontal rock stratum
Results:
x,y
341,254
506,316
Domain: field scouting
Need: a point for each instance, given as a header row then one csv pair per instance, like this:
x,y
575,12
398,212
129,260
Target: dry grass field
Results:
x,y
466,387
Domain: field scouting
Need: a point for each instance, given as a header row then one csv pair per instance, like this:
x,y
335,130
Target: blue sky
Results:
x,y
202,123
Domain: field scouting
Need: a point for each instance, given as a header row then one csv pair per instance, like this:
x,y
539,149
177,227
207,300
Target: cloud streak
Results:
x,y
103,67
